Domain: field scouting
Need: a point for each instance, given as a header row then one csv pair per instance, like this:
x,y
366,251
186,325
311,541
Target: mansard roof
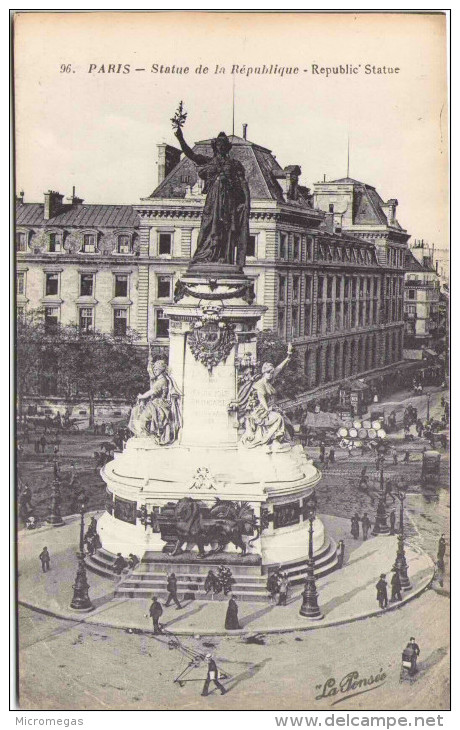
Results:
x,y
259,163
367,204
81,216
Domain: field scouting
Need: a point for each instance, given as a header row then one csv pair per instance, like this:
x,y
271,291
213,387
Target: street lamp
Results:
x,y
428,407
80,600
401,563
380,523
309,607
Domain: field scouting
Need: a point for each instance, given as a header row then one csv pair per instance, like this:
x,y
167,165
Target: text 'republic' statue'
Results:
x,y
157,412
224,232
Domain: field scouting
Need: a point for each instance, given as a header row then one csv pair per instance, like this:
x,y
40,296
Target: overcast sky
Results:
x,y
99,131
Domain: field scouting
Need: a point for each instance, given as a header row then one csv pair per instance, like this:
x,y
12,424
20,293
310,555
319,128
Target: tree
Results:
x,y
271,348
63,360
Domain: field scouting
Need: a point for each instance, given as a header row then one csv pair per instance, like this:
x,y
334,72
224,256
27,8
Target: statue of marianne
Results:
x,y
224,232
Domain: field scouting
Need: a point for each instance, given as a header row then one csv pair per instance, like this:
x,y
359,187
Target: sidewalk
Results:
x,y
344,595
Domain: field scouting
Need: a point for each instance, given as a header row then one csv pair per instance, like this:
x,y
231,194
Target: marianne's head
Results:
x,y
221,144
267,370
159,367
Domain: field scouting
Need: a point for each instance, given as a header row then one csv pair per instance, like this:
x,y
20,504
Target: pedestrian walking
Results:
x,y
283,591
410,655
155,612
133,560
340,553
211,583
394,454
395,586
212,676
231,617
171,587
43,443
406,457
366,525
388,492
332,455
45,559
322,451
392,522
119,564
37,446
355,526
382,595
441,548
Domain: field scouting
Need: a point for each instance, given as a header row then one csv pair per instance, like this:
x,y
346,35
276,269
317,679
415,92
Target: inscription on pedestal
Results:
x,y
286,514
125,510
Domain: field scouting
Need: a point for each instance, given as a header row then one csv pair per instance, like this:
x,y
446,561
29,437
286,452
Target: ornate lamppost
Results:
x,y
309,607
380,522
55,518
80,600
401,563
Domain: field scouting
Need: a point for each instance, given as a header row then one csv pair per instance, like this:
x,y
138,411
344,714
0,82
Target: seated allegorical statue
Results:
x,y
265,424
157,412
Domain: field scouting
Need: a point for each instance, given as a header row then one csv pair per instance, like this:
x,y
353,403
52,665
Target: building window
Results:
x,y
282,289
251,249
330,283
320,286
308,283
89,243
121,285
21,241
295,322
51,284
54,243
331,207
411,294
124,244
329,317
307,321
86,320
51,319
309,247
162,324
120,322
164,244
164,287
20,283
86,285
283,245
296,251
296,288
281,322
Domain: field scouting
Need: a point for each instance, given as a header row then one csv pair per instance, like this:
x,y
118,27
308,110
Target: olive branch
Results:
x,y
178,120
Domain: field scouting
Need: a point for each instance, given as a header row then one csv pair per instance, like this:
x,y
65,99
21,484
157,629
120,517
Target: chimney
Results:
x,y
20,198
389,208
168,157
73,200
245,131
437,262
53,203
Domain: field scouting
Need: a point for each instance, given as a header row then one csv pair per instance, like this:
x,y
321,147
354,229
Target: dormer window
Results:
x,y
54,243
124,244
21,241
89,243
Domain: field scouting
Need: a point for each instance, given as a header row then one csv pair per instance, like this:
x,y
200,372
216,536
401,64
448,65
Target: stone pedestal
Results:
x,y
212,336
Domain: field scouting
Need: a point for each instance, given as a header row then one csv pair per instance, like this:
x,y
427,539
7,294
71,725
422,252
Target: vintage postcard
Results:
x,y
232,307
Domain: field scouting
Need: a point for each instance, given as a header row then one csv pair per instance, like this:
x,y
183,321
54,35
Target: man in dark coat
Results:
x,y
332,455
355,526
366,523
212,676
211,584
340,553
231,618
283,589
382,595
273,584
441,548
406,457
43,443
171,587
45,559
392,522
412,652
395,586
119,564
155,612
322,451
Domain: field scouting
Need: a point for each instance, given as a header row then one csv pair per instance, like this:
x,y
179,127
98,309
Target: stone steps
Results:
x,y
149,577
